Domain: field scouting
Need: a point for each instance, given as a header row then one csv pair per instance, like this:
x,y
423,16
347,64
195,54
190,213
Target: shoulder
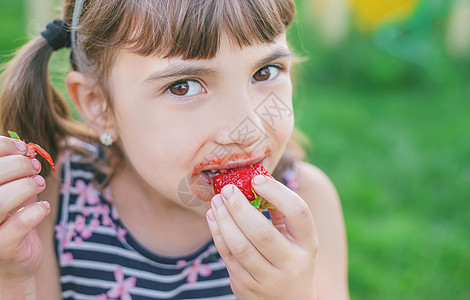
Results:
x,y
317,190
314,184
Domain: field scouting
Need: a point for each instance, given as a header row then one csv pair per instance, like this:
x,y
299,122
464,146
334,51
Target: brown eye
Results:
x,y
180,89
266,73
262,74
186,88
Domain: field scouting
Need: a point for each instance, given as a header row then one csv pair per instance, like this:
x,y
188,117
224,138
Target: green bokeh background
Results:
x,y
387,114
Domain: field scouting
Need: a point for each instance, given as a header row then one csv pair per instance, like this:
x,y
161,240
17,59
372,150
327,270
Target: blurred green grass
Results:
x,y
393,136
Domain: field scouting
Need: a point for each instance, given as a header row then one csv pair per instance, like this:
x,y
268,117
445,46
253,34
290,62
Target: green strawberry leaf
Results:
x,y
257,200
13,135
260,202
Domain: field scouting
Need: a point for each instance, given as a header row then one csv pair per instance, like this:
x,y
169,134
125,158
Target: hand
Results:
x,y
20,213
264,260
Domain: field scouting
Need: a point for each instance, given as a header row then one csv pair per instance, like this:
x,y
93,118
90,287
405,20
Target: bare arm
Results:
x,y
331,266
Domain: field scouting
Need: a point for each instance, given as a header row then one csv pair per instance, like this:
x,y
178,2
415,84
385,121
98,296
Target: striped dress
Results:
x,y
100,259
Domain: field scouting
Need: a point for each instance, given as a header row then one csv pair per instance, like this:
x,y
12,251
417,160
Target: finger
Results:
x,y
277,219
256,227
15,229
9,146
241,248
297,215
239,276
229,259
17,166
16,192
25,203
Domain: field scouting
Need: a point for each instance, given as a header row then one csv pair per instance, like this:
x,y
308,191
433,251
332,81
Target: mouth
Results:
x,y
211,173
229,163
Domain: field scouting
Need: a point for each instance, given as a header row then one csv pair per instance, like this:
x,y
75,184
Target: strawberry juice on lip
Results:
x,y
232,161
201,183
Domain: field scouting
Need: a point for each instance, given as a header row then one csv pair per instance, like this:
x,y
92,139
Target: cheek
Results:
x,y
277,112
159,147
162,152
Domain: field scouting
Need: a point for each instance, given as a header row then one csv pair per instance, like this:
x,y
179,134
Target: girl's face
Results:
x,y
178,118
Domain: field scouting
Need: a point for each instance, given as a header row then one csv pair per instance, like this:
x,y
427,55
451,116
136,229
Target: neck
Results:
x,y
175,229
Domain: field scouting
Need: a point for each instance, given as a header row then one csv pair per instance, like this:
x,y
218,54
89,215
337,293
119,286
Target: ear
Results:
x,y
90,103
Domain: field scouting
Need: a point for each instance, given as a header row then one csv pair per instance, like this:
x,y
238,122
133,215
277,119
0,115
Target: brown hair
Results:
x,y
30,105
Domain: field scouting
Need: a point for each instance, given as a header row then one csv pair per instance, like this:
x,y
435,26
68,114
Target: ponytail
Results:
x,y
30,105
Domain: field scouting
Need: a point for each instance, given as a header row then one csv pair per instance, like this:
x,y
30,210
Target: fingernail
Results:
x,y
39,180
36,164
20,146
210,214
227,191
46,204
217,200
259,179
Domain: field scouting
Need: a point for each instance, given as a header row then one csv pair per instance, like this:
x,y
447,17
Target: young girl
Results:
x,y
176,92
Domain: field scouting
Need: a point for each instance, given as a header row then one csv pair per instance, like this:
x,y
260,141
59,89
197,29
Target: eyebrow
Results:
x,y
276,54
178,70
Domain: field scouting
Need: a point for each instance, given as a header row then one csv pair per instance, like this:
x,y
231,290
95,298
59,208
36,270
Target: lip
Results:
x,y
230,162
234,164
231,167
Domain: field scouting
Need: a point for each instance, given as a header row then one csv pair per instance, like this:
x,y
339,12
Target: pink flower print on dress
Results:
x,y
123,286
86,233
101,297
65,188
81,228
86,211
195,269
105,210
290,177
88,193
181,264
70,233
59,231
94,223
65,258
114,213
121,234
79,223
106,193
106,220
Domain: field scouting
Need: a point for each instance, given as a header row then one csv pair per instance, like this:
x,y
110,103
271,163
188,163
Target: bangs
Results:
x,y
190,29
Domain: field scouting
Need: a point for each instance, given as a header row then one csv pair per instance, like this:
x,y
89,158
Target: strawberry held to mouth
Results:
x,y
242,179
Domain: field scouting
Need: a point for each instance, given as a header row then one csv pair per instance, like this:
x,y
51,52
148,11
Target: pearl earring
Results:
x,y
106,139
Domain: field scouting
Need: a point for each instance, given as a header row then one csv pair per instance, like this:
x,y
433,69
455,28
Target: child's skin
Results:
x,y
164,137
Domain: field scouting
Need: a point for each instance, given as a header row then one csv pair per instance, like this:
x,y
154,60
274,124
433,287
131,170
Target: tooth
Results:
x,y
211,173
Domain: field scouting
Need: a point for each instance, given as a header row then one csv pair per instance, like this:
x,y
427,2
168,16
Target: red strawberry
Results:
x,y
33,148
242,179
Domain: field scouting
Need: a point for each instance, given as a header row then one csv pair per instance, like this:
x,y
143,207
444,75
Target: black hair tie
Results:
x,y
57,34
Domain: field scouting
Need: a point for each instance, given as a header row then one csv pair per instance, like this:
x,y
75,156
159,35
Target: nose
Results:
x,y
241,125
